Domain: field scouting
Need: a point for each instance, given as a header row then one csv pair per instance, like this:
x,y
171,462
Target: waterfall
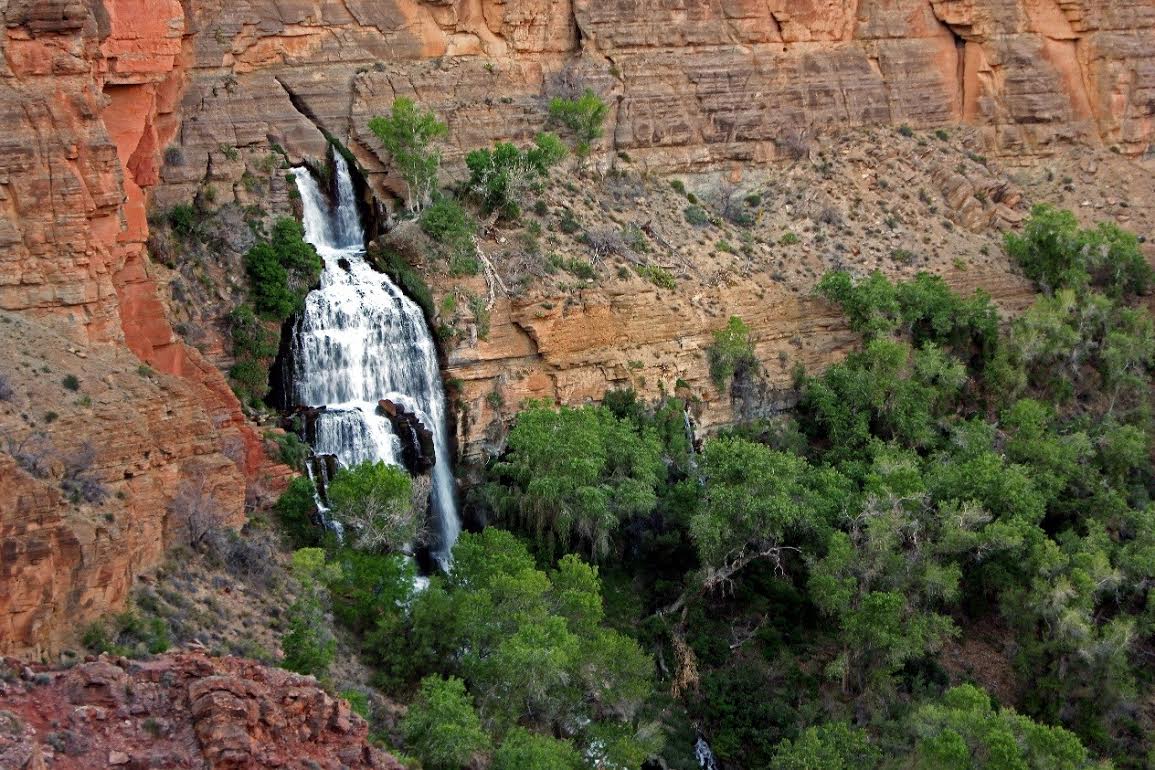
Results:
x,y
360,340
705,755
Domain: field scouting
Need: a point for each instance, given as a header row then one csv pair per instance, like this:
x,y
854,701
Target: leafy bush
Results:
x,y
410,136
731,353
442,726
575,476
71,382
522,750
1057,254
447,222
373,501
402,273
296,509
254,347
184,220
504,176
309,645
583,117
696,215
282,270
658,275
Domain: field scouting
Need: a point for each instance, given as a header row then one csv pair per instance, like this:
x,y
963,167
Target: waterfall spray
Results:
x,y
360,340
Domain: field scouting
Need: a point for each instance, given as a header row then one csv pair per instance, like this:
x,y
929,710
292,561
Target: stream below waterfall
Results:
x,y
360,340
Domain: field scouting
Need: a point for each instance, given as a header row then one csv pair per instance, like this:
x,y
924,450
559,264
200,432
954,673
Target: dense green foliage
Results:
x,y
374,502
254,347
1056,253
442,726
574,476
732,352
296,509
282,270
410,136
505,176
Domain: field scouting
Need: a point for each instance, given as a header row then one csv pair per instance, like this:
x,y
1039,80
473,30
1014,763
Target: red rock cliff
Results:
x,y
88,99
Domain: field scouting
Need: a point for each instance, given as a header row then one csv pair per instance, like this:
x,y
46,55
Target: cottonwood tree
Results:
x,y
410,137
374,501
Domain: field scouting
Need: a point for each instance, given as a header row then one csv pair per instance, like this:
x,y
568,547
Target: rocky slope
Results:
x,y
177,710
113,109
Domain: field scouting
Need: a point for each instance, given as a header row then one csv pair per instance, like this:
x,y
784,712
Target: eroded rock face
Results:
x,y
88,98
178,710
691,84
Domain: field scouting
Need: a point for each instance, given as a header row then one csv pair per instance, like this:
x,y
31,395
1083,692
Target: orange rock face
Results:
x,y
87,103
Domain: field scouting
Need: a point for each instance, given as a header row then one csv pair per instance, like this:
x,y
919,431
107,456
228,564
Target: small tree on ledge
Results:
x,y
409,135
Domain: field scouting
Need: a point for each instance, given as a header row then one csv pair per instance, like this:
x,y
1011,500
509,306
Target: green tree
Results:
x,y
374,500
964,731
573,476
296,508
282,270
732,352
442,726
1057,254
522,750
831,746
584,117
504,176
410,136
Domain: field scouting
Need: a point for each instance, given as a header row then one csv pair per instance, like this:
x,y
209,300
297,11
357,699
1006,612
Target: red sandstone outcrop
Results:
x,y
88,98
178,710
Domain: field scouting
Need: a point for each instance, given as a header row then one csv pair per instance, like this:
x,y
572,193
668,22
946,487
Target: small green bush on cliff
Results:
x,y
282,270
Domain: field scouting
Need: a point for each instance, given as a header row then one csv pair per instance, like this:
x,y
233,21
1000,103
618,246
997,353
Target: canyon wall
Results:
x,y
115,108
106,419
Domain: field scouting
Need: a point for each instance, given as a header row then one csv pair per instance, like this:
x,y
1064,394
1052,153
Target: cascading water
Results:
x,y
360,340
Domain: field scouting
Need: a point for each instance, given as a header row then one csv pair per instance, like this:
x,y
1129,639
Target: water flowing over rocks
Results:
x,y
362,349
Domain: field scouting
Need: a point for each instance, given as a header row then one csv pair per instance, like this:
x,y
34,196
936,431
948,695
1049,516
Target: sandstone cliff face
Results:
x,y
692,84
178,710
88,93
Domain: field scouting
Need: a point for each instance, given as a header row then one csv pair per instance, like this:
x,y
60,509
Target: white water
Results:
x,y
705,755
361,340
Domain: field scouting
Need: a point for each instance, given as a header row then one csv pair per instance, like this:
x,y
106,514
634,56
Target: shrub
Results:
x,y
409,136
402,273
906,130
523,750
71,382
788,239
1057,254
282,270
678,186
296,509
696,215
290,449
446,221
309,645
504,176
442,726
373,501
584,117
184,220
254,346
731,353
657,275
